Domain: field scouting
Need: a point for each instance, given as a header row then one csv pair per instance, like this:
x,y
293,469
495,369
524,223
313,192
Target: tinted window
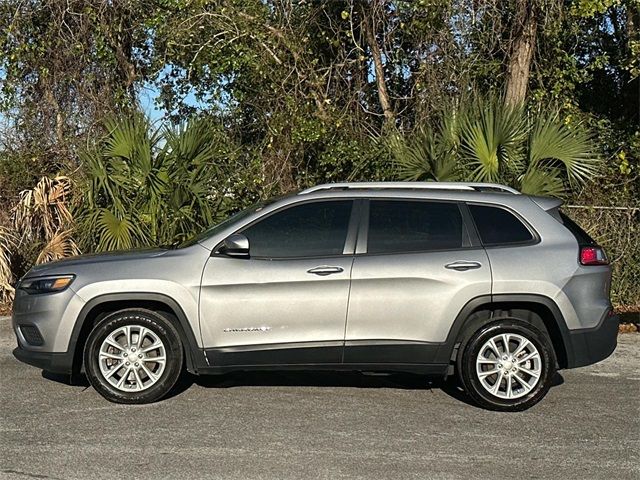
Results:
x,y
236,217
308,230
399,226
498,226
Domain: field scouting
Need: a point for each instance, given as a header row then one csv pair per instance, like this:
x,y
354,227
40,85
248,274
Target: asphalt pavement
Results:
x,y
320,425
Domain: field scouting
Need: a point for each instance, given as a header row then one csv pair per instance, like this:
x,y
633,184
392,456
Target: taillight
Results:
x,y
593,256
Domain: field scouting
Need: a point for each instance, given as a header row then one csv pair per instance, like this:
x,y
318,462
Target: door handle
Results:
x,y
325,270
462,265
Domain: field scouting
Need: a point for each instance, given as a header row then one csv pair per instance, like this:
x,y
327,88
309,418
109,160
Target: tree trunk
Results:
x,y
521,55
381,83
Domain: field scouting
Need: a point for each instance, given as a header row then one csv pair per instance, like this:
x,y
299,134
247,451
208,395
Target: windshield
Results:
x,y
236,217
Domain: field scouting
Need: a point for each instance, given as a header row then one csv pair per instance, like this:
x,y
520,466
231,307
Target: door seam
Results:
x,y
346,317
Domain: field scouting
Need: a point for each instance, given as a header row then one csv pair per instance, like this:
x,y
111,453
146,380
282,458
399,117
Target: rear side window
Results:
x,y
307,230
498,226
403,227
582,237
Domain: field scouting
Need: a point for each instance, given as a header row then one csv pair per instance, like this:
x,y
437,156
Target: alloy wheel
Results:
x,y
508,366
132,358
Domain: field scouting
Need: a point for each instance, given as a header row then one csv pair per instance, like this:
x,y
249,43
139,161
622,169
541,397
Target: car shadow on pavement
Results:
x,y
323,378
452,388
78,380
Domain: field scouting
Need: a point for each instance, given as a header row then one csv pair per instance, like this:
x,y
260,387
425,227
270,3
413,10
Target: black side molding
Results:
x,y
194,355
581,347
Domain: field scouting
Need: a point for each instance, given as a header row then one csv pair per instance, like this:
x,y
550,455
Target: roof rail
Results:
x,y
474,186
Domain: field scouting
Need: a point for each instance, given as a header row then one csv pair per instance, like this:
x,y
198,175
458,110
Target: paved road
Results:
x,y
321,425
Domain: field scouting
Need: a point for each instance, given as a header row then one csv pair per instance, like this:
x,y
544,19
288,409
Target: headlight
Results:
x,y
52,284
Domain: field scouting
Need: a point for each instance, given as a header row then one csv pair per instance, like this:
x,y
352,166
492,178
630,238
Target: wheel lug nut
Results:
x,y
139,355
133,349
125,354
137,364
127,363
499,365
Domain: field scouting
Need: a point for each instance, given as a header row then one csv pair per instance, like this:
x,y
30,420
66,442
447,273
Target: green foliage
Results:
x,y
428,155
486,141
148,185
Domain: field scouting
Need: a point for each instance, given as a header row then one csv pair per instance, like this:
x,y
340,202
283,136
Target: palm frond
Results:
x,y
44,209
426,156
8,242
492,139
116,232
553,144
60,246
542,182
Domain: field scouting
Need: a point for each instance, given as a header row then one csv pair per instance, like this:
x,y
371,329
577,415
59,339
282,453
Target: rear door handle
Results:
x,y
325,270
462,265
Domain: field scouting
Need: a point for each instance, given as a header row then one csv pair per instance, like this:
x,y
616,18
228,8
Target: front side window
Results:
x,y
498,226
410,226
308,230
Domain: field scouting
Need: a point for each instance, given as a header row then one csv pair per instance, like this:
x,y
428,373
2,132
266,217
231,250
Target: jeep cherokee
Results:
x,y
477,280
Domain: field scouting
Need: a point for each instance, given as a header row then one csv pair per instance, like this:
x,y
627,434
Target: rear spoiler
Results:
x,y
547,203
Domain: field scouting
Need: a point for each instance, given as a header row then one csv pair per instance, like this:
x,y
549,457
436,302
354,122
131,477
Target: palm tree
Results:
x,y
488,141
42,219
149,185
40,231
8,242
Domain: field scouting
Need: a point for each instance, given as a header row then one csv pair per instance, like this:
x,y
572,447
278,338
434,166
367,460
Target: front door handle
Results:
x,y
325,270
462,265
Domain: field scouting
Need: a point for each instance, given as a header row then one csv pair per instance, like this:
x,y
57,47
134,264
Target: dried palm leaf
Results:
x,y
60,246
8,242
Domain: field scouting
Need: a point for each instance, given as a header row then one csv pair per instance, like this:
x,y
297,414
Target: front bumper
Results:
x,y
55,362
51,315
591,345
50,318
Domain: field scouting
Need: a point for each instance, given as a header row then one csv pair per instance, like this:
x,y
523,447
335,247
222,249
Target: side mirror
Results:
x,y
235,245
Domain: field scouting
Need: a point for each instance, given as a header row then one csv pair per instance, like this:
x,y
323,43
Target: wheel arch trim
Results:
x,y
194,356
560,336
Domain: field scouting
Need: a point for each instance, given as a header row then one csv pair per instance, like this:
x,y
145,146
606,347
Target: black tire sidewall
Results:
x,y
471,382
162,328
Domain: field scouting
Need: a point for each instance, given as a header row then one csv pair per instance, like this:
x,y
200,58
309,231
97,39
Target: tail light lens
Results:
x,y
593,256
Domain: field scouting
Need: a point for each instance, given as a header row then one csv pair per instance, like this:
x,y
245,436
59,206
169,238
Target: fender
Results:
x,y
448,350
195,358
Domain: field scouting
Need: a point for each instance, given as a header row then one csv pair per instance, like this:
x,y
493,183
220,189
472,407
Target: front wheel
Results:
x,y
507,365
133,356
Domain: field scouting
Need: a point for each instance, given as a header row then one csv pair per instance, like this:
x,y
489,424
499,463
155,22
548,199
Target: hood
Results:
x,y
118,256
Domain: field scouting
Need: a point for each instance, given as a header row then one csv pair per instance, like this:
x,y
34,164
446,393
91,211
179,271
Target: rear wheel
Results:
x,y
133,356
507,365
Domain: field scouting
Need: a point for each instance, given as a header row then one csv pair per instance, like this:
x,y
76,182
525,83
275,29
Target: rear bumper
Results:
x,y
55,362
591,345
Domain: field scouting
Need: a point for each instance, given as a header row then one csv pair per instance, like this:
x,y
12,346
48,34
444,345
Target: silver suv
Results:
x,y
471,279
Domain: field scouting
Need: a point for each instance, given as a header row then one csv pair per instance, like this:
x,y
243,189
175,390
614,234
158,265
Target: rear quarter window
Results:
x,y
582,237
497,226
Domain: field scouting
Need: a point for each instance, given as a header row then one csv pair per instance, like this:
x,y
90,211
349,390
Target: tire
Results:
x,y
125,368
522,380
